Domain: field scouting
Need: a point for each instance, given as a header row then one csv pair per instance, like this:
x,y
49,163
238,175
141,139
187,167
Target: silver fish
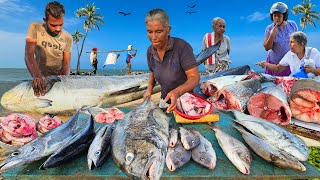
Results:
x,y
42,146
269,152
189,139
274,134
72,92
173,132
177,156
140,142
100,147
78,144
204,153
235,150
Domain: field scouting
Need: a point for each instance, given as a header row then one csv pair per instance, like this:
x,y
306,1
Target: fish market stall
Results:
x,y
78,168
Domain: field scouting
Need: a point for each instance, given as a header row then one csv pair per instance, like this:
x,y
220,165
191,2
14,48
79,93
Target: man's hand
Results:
x,y
173,96
39,86
308,69
147,94
274,31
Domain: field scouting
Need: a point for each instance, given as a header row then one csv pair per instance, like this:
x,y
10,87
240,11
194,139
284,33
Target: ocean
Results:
x,y
10,77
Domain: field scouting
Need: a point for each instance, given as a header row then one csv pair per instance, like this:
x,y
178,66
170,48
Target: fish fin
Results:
x,y
43,103
50,81
128,90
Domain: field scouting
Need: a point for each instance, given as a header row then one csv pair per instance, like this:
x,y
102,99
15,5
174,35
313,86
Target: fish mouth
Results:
x,y
247,170
212,165
91,164
149,169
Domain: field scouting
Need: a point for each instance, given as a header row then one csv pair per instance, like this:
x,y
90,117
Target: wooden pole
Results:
x,y
108,51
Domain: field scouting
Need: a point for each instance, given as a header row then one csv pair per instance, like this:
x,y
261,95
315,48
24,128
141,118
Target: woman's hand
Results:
x,y
173,95
308,69
262,64
274,31
147,94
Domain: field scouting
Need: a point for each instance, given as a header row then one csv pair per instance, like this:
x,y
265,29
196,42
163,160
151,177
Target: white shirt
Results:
x,y
92,56
291,59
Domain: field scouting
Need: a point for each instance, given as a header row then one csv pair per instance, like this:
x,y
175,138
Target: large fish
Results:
x,y
274,134
140,142
236,96
212,86
100,147
305,100
72,92
42,146
78,144
269,152
204,153
271,103
232,71
235,150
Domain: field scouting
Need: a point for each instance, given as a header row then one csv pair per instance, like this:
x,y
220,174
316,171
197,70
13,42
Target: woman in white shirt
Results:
x,y
299,56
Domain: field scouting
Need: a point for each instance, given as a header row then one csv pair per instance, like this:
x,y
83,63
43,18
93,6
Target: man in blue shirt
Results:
x,y
128,59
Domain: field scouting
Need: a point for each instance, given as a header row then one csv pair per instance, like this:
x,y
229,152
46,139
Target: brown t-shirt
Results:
x,y
170,73
49,50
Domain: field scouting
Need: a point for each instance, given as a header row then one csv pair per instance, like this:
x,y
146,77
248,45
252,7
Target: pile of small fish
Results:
x,y
191,144
192,106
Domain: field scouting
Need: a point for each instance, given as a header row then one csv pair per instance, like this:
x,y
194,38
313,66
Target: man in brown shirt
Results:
x,y
48,47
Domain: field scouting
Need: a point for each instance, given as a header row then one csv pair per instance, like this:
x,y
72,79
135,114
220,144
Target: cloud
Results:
x,y
8,7
256,16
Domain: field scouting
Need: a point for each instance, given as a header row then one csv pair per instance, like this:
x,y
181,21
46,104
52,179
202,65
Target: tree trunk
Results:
x,y
79,56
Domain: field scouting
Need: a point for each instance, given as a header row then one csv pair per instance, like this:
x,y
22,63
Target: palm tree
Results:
x,y
91,20
76,39
307,13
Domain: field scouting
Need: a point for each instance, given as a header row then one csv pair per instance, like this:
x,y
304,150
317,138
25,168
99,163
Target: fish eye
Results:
x,y
202,158
16,153
192,142
97,153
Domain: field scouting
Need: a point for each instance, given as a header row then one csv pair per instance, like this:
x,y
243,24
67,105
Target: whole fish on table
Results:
x,y
100,147
79,143
65,94
274,134
177,156
269,152
188,138
140,141
235,150
173,136
204,153
42,146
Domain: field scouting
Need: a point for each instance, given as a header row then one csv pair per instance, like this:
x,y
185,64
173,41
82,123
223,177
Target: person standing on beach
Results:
x,y
277,36
128,59
220,60
48,47
170,60
94,60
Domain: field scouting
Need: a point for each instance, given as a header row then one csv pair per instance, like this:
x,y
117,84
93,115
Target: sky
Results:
x,y
246,21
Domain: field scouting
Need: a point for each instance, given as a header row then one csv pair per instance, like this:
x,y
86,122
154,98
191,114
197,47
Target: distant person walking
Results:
x,y
220,60
48,47
128,59
94,60
277,37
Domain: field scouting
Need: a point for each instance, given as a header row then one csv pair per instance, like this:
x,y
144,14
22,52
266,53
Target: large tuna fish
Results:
x,y
305,100
67,93
269,152
236,96
140,142
42,146
271,104
274,134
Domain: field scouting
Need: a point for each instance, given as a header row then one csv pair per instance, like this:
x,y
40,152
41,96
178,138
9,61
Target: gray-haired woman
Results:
x,y
171,61
299,57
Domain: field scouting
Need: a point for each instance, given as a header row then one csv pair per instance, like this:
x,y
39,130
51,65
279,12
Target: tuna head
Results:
x,y
24,155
